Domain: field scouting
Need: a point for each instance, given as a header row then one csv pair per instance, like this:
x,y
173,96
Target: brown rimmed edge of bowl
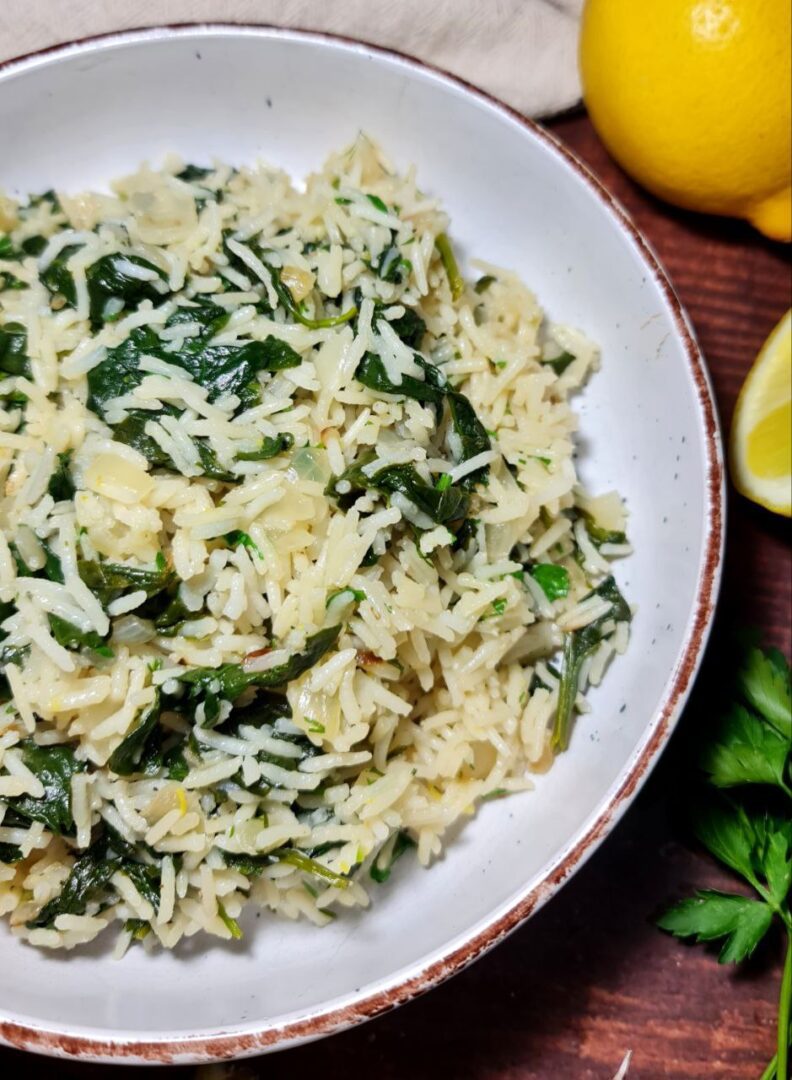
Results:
x,y
225,1046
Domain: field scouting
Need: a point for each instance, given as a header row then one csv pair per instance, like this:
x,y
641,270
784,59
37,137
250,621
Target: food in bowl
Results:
x,y
296,567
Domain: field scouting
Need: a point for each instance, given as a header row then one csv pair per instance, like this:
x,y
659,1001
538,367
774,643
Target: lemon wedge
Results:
x,y
761,434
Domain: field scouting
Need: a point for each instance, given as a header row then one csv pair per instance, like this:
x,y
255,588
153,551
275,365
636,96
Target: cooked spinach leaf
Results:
x,y
10,281
54,766
271,446
51,570
7,249
410,327
382,865
441,506
71,637
267,708
253,865
34,245
484,283
112,282
600,535
107,580
393,266
219,369
57,278
114,286
371,372
89,879
10,853
227,682
127,755
238,538
9,654
471,436
288,302
145,878
580,644
192,174
553,580
560,363
14,359
61,485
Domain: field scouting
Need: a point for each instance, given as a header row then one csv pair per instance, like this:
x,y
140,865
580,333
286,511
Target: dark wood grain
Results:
x,y
590,977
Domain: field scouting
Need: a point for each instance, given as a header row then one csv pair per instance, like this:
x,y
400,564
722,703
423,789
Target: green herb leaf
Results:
x,y
745,750
726,831
711,915
764,680
776,859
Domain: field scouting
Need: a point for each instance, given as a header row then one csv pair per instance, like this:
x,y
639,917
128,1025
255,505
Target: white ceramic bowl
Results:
x,y
76,116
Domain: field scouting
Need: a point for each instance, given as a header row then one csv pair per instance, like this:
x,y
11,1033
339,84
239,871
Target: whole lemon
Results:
x,y
694,99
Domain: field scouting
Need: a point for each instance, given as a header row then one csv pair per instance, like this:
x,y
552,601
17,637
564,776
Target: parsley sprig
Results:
x,y
752,835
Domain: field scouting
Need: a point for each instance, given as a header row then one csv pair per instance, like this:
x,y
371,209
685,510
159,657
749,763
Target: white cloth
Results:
x,y
522,51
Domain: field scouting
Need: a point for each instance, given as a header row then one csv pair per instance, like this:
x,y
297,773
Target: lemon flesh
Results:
x,y
761,435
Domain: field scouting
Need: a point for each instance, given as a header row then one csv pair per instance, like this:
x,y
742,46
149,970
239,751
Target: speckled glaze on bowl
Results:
x,y
79,114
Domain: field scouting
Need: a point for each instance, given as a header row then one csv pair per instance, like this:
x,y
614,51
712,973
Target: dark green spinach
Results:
x,y
580,644
14,359
61,485
54,766
227,682
126,757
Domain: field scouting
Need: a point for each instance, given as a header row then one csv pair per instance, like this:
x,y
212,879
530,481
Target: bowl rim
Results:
x,y
261,1036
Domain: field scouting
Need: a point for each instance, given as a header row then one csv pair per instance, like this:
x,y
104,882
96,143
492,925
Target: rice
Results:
x,y
292,544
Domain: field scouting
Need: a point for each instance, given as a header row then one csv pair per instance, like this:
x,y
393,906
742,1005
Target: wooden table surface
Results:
x,y
590,977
